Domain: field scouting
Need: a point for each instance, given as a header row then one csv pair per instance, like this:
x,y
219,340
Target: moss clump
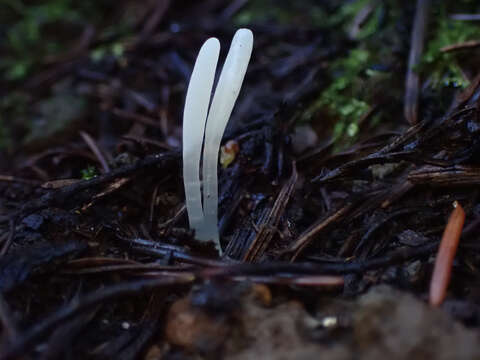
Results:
x,y
89,173
443,68
356,77
340,99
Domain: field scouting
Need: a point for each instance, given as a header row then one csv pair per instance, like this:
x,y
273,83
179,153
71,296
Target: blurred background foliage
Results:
x,y
364,79
35,31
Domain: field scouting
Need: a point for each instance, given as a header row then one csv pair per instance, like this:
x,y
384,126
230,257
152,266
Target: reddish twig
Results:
x,y
446,253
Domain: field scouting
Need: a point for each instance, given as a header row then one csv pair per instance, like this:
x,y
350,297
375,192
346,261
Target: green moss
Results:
x,y
116,50
89,173
25,37
355,77
443,68
339,99
44,29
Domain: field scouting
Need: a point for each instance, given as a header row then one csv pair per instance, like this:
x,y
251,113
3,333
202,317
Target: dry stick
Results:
x,y
412,83
460,46
456,175
307,280
270,227
308,235
446,252
368,160
96,150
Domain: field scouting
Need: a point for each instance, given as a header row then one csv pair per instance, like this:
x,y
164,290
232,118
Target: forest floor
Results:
x,y
331,212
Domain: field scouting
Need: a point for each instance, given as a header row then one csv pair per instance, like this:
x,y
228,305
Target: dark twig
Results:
x,y
327,268
412,83
163,250
96,150
269,227
372,159
314,230
450,176
378,224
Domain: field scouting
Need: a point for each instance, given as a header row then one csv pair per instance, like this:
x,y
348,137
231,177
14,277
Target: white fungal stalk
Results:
x,y
204,221
194,118
226,93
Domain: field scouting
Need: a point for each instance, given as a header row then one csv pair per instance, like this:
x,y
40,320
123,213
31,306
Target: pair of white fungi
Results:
x,y
204,124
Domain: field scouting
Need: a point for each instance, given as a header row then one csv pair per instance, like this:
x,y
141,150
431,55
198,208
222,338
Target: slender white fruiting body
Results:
x,y
226,93
197,126
194,118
